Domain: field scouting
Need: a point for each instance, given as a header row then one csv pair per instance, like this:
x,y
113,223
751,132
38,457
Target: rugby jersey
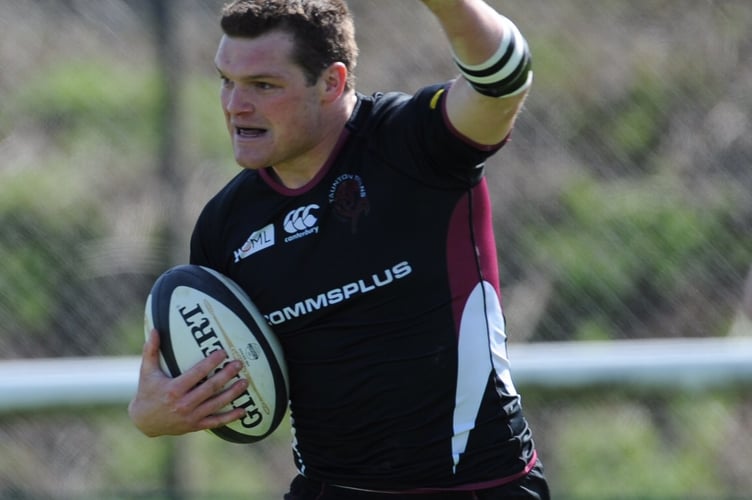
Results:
x,y
380,279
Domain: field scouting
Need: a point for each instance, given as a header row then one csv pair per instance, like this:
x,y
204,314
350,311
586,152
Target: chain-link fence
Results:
x,y
623,208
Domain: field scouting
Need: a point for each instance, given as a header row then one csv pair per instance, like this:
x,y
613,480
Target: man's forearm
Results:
x,y
489,49
473,27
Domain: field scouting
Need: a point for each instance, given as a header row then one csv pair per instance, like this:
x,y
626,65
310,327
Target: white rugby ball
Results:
x,y
198,311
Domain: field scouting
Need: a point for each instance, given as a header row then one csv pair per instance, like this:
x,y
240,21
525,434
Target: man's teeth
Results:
x,y
249,132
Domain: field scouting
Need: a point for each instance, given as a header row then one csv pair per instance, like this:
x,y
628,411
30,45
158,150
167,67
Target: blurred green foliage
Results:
x,y
75,99
40,274
629,242
617,243
624,441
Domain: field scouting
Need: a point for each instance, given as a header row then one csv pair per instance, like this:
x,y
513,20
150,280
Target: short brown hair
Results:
x,y
323,30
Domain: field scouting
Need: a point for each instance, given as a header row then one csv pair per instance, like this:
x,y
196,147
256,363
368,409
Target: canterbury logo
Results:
x,y
301,219
301,222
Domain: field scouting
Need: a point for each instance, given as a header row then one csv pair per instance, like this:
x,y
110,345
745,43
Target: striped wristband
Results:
x,y
507,72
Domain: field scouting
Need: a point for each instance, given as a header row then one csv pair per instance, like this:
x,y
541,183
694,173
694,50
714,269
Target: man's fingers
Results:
x,y
212,407
220,419
201,371
150,353
207,400
193,400
213,385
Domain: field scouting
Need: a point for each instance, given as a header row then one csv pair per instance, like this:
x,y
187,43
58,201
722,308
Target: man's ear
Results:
x,y
334,80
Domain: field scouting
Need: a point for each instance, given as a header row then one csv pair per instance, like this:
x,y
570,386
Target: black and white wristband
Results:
x,y
506,73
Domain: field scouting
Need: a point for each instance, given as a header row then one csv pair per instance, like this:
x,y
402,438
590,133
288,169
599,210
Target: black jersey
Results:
x,y
380,279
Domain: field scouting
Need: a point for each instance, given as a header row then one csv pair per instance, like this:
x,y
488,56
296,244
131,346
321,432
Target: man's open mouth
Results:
x,y
247,132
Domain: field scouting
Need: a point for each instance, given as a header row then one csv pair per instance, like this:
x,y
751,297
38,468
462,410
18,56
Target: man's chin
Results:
x,y
248,165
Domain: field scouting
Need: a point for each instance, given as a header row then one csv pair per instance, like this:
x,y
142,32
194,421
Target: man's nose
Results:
x,y
238,101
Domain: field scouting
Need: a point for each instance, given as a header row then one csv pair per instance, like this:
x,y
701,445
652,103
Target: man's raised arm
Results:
x,y
494,62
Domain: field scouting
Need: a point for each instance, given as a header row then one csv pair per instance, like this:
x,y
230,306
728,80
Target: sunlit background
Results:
x,y
623,208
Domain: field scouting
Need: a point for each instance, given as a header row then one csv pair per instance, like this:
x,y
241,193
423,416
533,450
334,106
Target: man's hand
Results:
x,y
187,403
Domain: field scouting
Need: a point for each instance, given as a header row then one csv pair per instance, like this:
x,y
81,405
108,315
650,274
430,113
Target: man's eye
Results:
x,y
225,81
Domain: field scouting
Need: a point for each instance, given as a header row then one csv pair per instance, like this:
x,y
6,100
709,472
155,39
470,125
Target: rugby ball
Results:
x,y
198,311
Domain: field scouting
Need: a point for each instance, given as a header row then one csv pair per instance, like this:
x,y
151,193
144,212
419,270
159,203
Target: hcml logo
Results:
x,y
257,241
301,222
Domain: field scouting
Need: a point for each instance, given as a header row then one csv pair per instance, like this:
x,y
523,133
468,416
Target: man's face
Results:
x,y
271,112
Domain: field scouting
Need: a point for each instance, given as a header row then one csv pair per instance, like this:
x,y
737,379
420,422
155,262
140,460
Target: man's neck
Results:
x,y
295,176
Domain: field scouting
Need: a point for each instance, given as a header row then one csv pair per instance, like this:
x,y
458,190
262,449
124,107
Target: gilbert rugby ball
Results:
x,y
198,311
